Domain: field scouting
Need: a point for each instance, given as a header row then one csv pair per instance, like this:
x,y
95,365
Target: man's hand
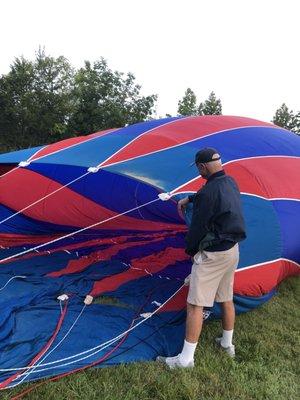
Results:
x,y
181,205
187,280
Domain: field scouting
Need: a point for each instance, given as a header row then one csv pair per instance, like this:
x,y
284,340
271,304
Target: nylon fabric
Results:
x,y
131,264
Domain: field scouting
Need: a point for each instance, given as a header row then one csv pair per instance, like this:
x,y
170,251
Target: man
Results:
x,y
212,240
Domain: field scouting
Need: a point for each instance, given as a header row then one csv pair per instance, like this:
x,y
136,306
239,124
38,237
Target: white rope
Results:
x,y
33,367
74,233
60,305
14,277
149,273
43,198
98,348
10,171
27,162
90,169
103,345
30,159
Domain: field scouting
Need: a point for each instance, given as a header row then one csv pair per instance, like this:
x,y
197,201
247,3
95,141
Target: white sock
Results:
x,y
226,340
187,353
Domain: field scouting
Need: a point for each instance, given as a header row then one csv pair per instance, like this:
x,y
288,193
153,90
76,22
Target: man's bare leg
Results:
x,y
228,315
194,322
228,319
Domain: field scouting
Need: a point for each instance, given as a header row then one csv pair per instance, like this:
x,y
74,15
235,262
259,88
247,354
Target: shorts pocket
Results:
x,y
198,258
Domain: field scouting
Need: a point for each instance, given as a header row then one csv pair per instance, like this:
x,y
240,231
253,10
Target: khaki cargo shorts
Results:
x,y
212,277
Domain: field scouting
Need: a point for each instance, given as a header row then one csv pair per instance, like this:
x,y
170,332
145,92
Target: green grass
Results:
x,y
266,366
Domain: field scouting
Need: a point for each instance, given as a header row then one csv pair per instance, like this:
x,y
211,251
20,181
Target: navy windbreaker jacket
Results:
x,y
217,215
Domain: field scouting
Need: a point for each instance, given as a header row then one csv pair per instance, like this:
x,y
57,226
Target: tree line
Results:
x,y
283,117
45,100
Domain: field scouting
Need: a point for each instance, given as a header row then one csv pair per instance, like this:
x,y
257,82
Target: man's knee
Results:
x,y
227,305
192,308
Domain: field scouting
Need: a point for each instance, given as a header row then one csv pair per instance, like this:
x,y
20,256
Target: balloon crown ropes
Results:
x,y
55,195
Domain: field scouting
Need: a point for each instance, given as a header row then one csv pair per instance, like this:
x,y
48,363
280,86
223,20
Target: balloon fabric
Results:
x,y
83,217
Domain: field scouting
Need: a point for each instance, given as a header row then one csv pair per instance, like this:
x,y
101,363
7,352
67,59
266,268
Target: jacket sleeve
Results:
x,y
203,208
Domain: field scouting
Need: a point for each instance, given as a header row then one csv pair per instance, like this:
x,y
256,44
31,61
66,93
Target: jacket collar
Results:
x,y
216,175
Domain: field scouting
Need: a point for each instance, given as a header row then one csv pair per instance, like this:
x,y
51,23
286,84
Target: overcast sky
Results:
x,y
247,51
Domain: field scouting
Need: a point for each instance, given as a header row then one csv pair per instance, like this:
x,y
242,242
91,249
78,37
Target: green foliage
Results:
x,y
287,119
45,100
105,99
266,366
34,101
211,106
188,105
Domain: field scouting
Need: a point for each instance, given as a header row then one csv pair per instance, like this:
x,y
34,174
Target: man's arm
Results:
x,y
200,225
191,197
181,205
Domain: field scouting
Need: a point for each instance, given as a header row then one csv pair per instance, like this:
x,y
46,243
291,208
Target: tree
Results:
x,y
52,91
35,101
287,119
211,106
188,104
104,99
296,123
45,100
15,89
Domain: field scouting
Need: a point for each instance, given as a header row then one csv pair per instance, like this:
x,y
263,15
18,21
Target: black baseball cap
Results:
x,y
206,155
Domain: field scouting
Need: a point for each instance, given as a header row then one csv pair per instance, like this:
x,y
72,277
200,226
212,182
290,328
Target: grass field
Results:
x,y
266,366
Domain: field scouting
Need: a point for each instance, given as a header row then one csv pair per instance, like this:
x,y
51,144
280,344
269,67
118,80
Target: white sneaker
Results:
x,y
230,350
174,362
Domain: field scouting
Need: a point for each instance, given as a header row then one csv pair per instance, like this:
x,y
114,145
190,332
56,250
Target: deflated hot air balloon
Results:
x,y
96,216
